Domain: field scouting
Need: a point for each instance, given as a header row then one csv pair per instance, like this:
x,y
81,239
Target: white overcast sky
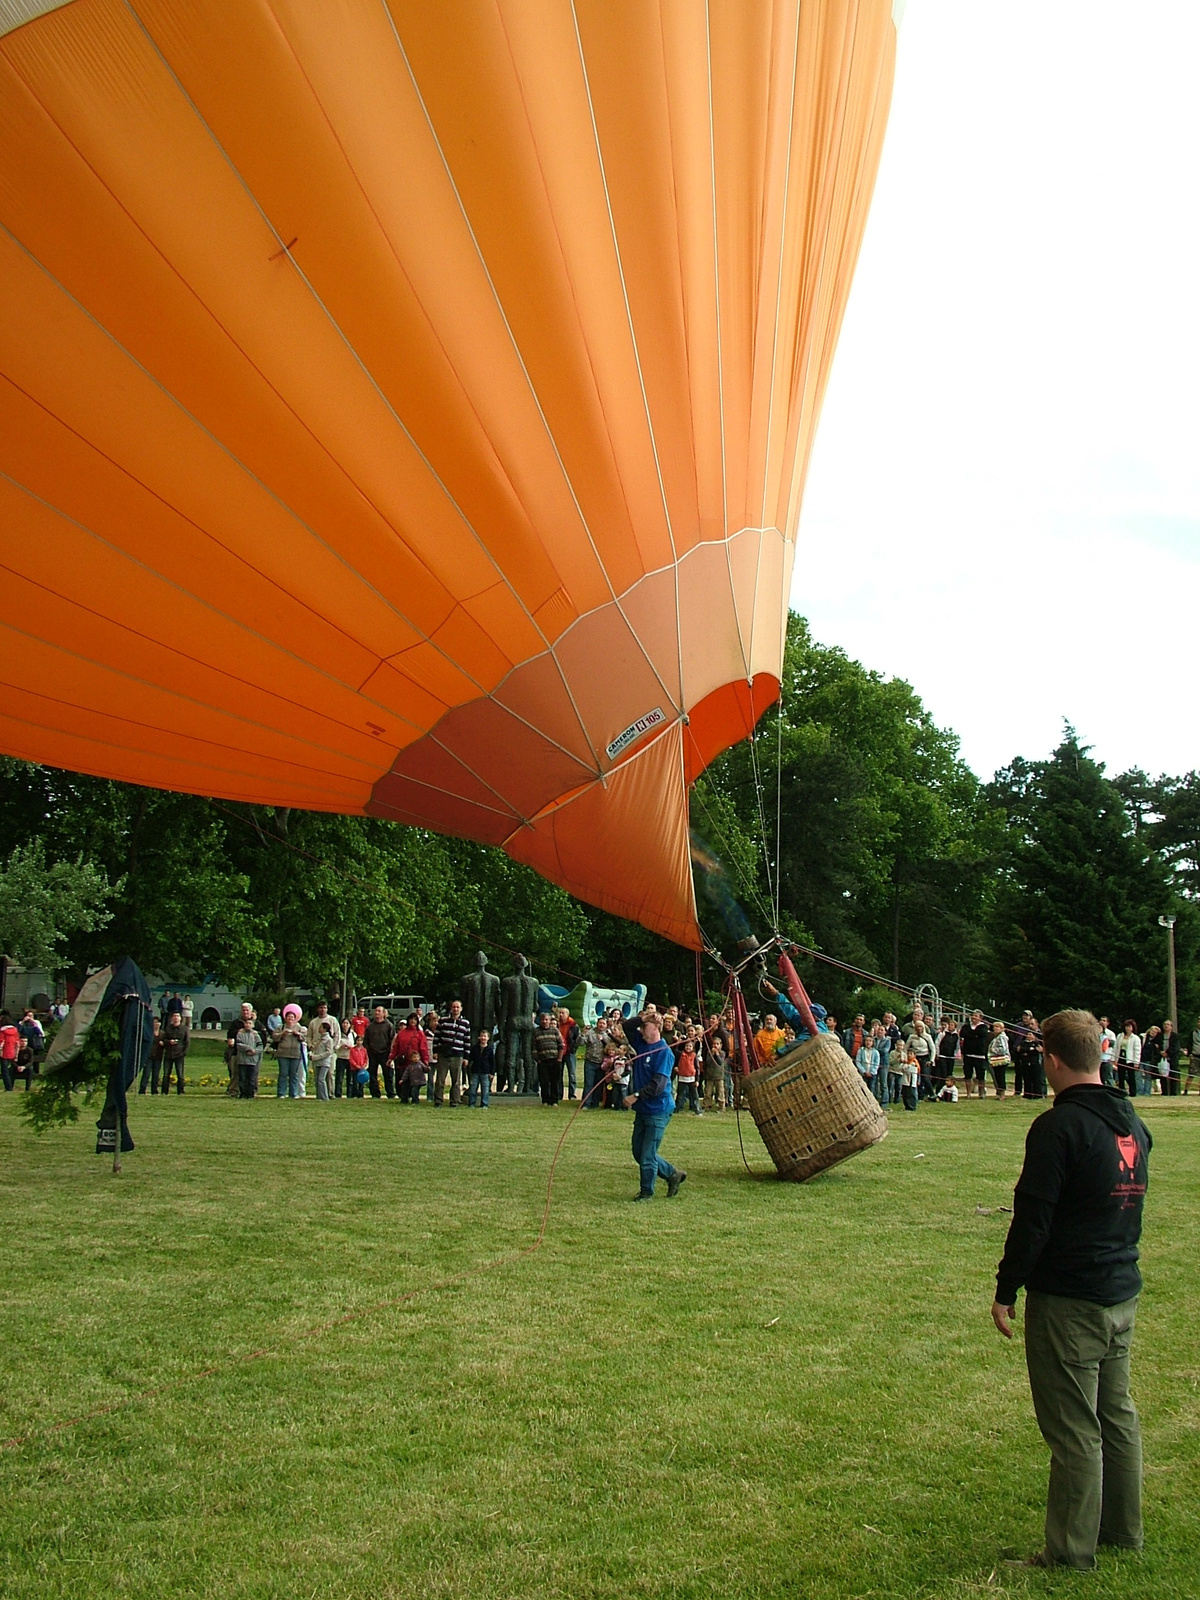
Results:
x,y
1003,505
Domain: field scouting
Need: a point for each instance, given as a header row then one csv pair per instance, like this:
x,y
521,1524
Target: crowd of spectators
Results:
x,y
435,1056
919,1059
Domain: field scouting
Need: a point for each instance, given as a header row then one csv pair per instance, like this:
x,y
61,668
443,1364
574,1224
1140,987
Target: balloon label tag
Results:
x,y
652,719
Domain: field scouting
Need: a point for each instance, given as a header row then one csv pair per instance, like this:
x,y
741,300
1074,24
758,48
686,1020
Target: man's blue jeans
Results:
x,y
591,1072
647,1136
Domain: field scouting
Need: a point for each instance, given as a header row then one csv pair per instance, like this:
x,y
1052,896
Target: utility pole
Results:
x,y
1172,1001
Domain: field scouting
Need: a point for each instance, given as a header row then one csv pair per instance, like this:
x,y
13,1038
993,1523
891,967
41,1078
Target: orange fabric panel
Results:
x,y
405,407
722,718
132,726
623,844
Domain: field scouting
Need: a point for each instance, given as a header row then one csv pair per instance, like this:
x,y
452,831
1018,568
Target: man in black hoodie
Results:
x,y
1073,1244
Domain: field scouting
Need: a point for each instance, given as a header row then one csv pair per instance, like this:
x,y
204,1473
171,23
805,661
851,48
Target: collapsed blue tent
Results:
x,y
121,985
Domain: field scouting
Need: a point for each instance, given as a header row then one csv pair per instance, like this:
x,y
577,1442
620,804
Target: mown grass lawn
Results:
x,y
755,1390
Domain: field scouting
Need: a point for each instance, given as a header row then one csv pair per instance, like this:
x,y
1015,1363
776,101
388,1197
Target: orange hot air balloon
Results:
x,y
404,407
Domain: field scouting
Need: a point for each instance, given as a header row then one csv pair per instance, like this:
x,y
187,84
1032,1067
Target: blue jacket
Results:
x,y
650,1061
788,1012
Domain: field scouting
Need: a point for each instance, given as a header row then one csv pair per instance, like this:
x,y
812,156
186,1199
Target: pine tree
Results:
x,y
1076,916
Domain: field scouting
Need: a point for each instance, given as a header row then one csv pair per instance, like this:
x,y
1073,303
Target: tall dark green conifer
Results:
x,y
1076,918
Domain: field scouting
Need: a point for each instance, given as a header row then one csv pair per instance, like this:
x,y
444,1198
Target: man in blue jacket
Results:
x,y
790,1015
653,1104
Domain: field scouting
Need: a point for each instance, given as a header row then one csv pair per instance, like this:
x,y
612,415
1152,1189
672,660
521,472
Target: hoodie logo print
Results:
x,y
1127,1189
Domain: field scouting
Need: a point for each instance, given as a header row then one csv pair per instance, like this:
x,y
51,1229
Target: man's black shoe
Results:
x,y
636,1197
673,1184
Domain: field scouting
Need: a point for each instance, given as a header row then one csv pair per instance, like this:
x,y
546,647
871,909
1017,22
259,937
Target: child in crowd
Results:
x,y
897,1060
324,1050
999,1059
359,1071
949,1092
714,1074
867,1060
481,1067
609,1062
686,1074
910,1072
341,1065
248,1046
412,1078
619,1066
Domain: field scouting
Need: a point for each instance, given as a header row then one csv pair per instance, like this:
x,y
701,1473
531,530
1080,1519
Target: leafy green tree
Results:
x,y
326,892
1075,920
498,905
43,903
885,848
180,909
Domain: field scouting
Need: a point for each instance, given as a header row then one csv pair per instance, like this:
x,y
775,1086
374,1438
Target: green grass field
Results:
x,y
754,1390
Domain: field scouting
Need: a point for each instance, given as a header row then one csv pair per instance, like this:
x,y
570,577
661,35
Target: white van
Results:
x,y
396,1005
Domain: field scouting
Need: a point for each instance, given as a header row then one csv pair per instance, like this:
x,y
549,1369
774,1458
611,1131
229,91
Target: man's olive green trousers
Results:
x,y
1078,1359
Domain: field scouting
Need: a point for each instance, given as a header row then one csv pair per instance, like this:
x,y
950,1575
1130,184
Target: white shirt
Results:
x,y
1129,1050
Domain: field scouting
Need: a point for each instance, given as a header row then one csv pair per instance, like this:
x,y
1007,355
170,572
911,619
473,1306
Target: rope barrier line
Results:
x,y
232,1362
960,1006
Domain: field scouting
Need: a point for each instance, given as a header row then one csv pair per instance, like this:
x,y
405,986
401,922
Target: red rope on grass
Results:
x,y
247,1357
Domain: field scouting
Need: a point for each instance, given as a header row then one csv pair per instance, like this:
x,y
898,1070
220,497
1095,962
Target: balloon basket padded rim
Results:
x,y
813,1109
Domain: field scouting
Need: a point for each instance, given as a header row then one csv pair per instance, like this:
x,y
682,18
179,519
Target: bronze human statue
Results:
x,y
479,992
518,1002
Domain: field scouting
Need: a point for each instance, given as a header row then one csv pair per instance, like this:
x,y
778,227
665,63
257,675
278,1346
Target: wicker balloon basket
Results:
x,y
813,1108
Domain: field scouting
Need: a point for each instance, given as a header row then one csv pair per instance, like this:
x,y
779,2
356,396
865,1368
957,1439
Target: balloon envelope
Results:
x,y
404,407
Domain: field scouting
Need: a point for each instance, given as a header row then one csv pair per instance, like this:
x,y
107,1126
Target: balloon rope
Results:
x,y
741,1032
762,815
748,883
778,806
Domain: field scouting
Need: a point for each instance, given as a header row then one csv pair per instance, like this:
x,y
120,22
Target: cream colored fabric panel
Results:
x,y
15,13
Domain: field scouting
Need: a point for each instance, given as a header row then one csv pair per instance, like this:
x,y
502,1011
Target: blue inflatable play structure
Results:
x,y
586,1002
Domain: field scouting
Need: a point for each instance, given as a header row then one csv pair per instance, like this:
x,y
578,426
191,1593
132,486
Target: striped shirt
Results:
x,y
453,1037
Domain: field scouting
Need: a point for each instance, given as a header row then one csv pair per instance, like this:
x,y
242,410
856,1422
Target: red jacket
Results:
x,y
406,1041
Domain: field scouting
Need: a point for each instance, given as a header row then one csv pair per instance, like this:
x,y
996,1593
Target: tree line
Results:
x,y
850,808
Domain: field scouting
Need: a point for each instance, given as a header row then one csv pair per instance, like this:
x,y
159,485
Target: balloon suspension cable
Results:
x,y
741,1034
